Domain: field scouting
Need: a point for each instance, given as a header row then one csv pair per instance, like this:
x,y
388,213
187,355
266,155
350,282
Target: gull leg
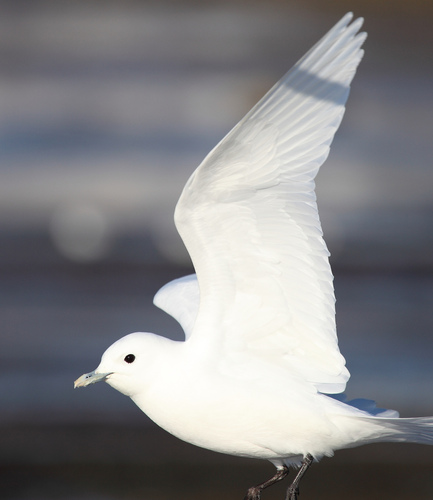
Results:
x,y
254,492
293,489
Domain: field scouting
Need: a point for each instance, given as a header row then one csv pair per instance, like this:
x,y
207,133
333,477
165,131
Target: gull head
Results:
x,y
124,364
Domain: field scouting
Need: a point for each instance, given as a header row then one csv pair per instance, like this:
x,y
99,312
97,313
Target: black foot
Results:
x,y
254,492
293,489
292,493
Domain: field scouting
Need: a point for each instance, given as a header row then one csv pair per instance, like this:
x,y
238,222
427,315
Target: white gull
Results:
x,y
260,373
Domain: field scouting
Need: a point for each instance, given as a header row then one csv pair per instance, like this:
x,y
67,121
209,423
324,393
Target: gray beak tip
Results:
x,y
90,378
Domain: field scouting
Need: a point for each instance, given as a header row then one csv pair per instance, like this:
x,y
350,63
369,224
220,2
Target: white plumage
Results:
x,y
261,357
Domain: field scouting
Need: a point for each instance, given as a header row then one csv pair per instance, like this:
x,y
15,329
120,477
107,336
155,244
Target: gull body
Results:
x,y
254,415
260,373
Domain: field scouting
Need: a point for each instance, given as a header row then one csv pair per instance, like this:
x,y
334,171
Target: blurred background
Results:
x,y
106,108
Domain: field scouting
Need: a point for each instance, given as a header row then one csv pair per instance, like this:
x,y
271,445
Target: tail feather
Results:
x,y
403,430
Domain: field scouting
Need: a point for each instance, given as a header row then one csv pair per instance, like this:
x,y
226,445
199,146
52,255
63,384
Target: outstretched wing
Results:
x,y
180,298
249,219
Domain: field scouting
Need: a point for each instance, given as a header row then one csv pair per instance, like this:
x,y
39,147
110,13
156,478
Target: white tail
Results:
x,y
403,430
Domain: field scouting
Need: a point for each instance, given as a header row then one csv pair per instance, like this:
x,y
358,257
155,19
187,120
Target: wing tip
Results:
x,y
354,27
347,18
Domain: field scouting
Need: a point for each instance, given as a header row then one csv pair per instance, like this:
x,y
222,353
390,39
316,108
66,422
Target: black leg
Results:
x,y
293,489
254,492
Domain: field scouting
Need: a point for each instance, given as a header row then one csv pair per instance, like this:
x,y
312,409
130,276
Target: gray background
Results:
x,y
105,110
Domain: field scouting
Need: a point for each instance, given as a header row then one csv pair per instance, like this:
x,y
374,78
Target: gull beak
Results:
x,y
90,378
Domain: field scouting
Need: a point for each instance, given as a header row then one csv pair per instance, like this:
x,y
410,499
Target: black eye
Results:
x,y
129,358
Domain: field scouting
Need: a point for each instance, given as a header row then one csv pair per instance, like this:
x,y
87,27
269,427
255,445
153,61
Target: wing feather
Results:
x,y
180,298
249,219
